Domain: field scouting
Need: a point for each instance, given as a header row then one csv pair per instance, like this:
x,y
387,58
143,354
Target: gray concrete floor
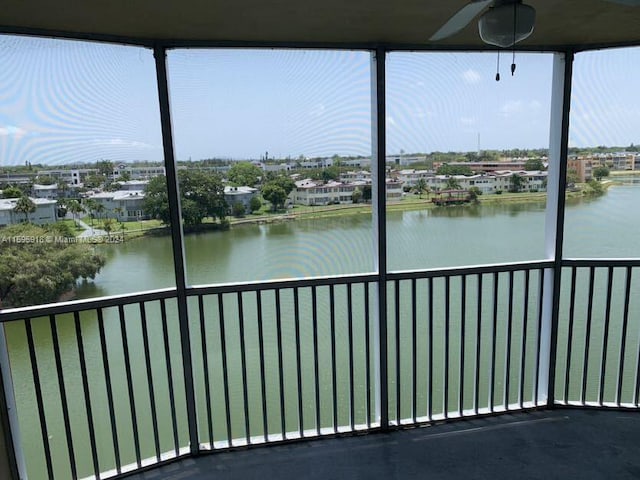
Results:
x,y
555,444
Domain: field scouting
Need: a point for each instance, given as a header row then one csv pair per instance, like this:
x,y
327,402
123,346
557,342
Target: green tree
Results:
x,y
255,204
201,195
244,173
454,170
156,200
54,267
330,173
356,196
91,205
534,164
284,182
108,225
45,180
94,181
600,172
421,186
274,194
75,208
451,184
105,168
124,176
237,209
12,192
25,205
516,182
474,193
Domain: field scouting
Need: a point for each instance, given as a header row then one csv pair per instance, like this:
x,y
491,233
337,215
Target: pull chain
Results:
x,y
515,21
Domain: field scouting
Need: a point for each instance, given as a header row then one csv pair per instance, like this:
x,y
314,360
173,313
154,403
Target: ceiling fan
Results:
x,y
503,23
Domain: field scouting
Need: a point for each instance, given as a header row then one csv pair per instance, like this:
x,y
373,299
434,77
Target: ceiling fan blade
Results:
x,y
628,3
461,19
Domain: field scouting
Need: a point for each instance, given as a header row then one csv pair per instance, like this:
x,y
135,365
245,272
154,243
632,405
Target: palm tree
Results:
x,y
421,187
118,211
25,205
108,225
91,205
75,208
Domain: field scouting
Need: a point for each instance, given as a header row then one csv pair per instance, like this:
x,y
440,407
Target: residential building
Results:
x,y
45,213
123,205
241,195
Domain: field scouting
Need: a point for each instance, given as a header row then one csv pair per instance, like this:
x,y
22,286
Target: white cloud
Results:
x,y
512,107
12,131
471,76
119,142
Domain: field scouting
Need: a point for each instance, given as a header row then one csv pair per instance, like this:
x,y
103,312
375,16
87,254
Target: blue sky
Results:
x,y
66,101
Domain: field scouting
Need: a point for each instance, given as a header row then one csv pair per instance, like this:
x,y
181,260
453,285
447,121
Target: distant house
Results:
x,y
242,195
45,212
124,205
139,173
312,192
46,191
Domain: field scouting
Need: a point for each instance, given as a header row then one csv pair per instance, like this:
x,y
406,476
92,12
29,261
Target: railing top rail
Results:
x,y
601,262
281,284
35,311
469,270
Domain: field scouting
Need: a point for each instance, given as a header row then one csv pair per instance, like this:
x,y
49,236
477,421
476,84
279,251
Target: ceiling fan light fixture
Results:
x,y
503,26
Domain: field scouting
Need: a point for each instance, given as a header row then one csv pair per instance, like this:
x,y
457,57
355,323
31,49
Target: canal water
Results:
x,y
603,227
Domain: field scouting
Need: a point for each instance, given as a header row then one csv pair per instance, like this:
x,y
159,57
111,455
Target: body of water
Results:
x,y
606,226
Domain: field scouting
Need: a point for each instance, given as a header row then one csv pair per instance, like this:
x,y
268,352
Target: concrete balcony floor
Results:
x,y
553,444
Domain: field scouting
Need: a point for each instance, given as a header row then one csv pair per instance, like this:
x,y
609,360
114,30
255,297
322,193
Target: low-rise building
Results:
x,y
45,212
123,205
138,173
241,195
312,192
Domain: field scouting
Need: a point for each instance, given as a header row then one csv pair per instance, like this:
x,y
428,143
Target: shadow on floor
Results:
x,y
555,444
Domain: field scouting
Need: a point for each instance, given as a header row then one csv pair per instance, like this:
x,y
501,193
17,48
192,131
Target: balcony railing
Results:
x,y
98,388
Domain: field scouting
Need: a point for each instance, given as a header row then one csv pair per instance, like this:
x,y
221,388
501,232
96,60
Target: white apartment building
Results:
x,y
45,212
242,195
310,192
139,173
124,205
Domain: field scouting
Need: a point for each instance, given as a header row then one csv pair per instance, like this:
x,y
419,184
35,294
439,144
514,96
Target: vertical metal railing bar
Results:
x,y
476,384
414,350
536,383
263,380
296,316
243,368
177,243
87,394
572,313
8,415
283,420
63,397
447,322
110,402
39,401
396,292
587,342
605,336
430,335
205,368
316,366
623,340
378,134
172,398
132,403
556,196
507,362
367,351
523,341
225,369
463,321
152,396
351,354
494,328
636,398
334,366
